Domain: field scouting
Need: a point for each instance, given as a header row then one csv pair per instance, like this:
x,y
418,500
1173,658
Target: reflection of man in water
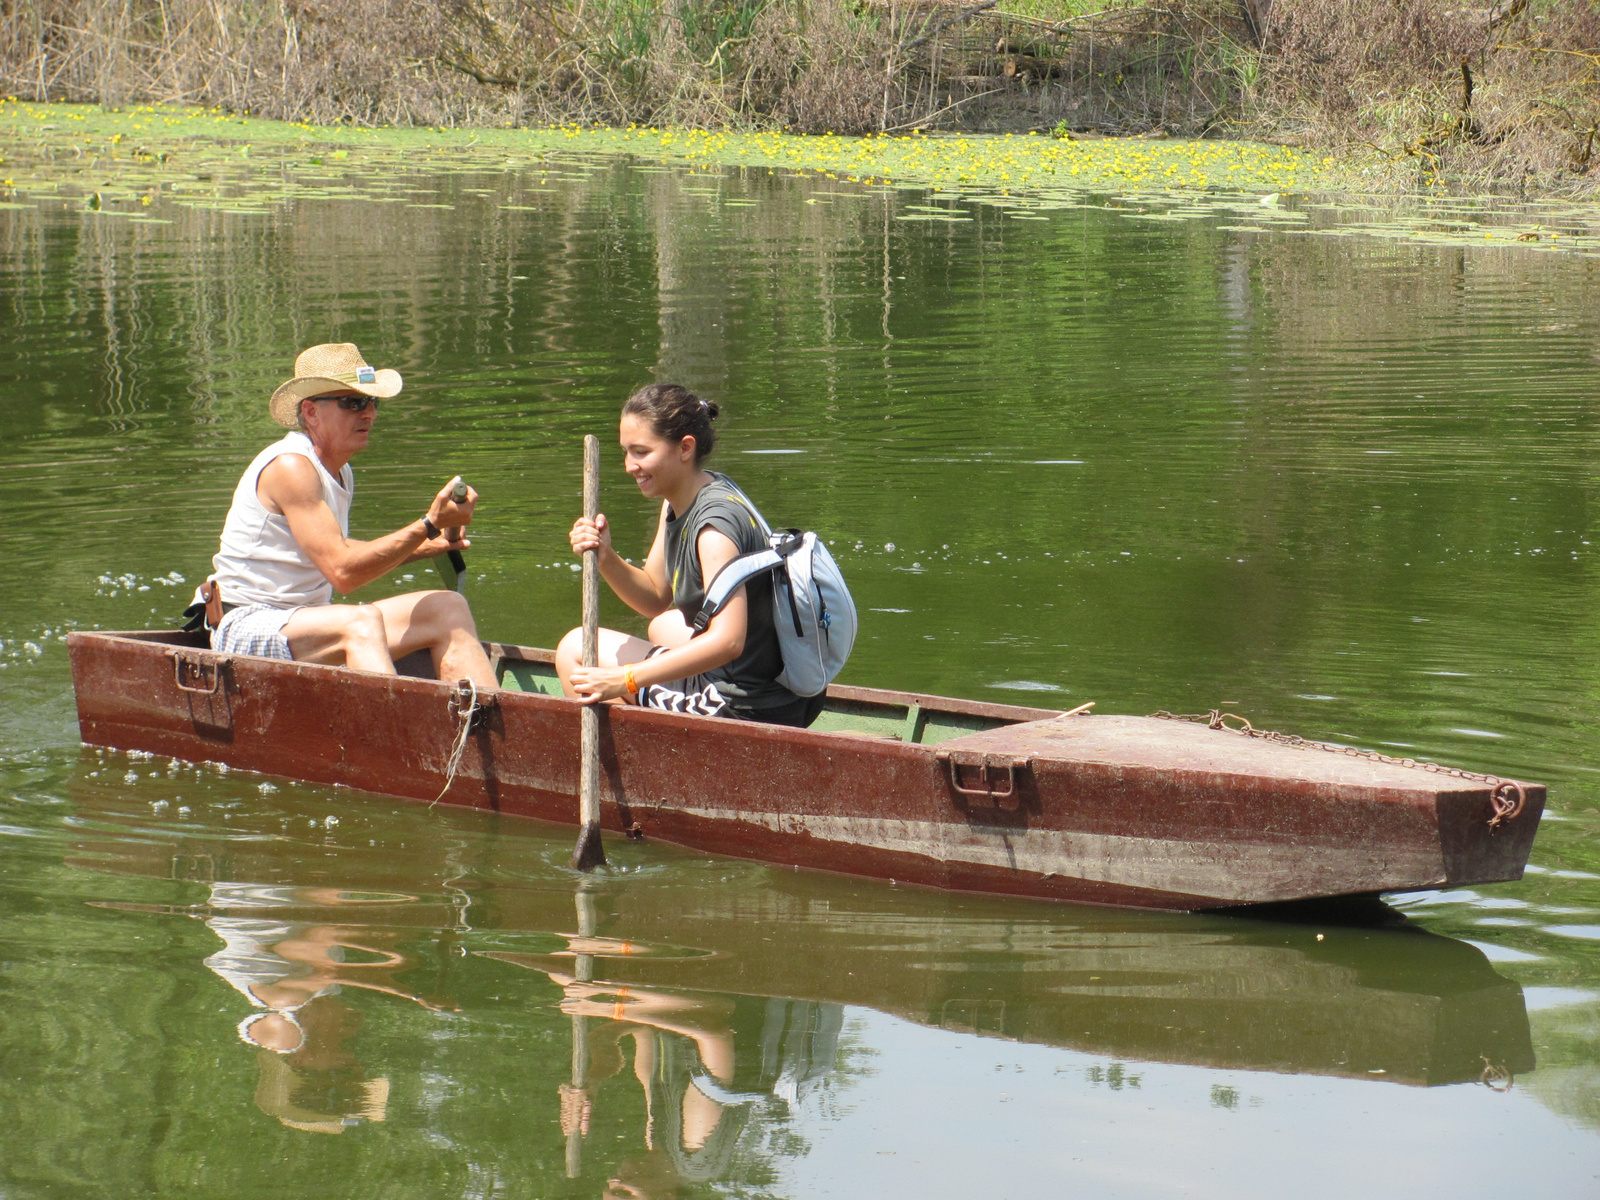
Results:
x,y
293,972
309,1080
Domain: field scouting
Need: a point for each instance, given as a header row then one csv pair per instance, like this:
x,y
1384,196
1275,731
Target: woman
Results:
x,y
731,669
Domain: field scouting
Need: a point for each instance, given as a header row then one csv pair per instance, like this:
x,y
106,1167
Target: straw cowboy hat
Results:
x,y
331,367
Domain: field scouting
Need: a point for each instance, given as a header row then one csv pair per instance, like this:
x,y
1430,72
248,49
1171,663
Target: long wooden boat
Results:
x,y
949,793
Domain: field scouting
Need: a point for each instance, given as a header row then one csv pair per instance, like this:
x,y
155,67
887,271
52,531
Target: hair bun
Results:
x,y
674,412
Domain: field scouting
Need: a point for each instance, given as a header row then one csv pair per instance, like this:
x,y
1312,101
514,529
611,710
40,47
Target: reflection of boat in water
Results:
x,y
954,794
1382,1002
1399,1003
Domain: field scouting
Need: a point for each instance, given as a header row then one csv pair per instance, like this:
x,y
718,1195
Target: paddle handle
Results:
x,y
591,558
458,493
589,775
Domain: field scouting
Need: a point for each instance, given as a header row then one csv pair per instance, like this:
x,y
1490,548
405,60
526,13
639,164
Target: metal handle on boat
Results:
x,y
198,668
986,765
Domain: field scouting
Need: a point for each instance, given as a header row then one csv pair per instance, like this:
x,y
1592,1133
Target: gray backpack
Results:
x,y
811,606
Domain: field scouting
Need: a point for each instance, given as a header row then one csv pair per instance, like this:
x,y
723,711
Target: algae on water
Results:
x,y
135,158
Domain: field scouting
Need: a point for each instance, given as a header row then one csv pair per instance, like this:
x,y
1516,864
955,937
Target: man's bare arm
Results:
x,y
291,487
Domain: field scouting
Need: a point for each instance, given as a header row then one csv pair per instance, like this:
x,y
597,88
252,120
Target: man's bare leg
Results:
x,y
347,635
370,637
442,623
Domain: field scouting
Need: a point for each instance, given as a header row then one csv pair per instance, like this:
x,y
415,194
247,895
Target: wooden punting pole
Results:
x,y
590,852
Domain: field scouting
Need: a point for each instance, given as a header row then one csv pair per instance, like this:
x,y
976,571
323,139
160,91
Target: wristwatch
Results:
x,y
429,527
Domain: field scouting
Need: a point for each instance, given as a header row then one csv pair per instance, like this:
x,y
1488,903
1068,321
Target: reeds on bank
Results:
x,y
1496,91
1503,91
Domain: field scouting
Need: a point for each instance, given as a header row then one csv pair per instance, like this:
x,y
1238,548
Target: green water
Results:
x,y
1343,487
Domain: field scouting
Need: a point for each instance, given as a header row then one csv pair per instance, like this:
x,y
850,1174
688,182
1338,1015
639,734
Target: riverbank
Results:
x,y
50,144
1503,98
129,162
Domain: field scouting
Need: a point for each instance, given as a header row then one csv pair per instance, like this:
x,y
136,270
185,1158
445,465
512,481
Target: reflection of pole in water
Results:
x,y
574,1099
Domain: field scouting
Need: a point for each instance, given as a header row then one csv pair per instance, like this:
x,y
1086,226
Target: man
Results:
x,y
286,544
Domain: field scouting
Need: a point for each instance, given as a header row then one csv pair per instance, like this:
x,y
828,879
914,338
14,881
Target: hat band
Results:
x,y
359,375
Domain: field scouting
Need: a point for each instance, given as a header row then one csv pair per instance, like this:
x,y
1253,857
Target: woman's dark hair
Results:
x,y
674,413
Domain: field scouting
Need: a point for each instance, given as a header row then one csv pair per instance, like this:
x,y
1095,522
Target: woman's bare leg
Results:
x,y
615,650
670,630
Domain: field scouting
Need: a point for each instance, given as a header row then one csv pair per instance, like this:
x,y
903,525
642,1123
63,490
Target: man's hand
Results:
x,y
447,513
434,547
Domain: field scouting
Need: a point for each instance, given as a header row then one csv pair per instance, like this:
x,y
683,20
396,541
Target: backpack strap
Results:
x,y
761,522
739,571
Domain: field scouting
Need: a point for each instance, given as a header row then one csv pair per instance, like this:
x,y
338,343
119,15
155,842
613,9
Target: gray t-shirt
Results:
x,y
749,681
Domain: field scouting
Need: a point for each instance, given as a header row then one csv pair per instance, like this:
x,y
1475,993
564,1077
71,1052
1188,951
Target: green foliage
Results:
x,y
713,28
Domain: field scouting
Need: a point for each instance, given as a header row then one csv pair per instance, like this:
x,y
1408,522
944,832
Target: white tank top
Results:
x,y
260,562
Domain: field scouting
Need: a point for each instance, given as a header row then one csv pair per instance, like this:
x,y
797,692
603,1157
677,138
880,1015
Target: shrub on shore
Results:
x,y
1422,90
1505,93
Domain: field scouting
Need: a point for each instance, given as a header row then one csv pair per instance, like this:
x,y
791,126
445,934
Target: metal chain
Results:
x,y
1507,797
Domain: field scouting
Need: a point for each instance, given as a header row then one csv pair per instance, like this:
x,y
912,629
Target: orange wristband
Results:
x,y
629,682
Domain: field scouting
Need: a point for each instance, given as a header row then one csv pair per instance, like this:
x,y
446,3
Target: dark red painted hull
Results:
x,y
1108,810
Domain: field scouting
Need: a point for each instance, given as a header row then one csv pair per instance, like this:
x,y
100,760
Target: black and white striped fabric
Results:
x,y
692,696
254,629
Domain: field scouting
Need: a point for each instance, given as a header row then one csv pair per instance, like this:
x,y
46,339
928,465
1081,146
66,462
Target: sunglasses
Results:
x,y
353,404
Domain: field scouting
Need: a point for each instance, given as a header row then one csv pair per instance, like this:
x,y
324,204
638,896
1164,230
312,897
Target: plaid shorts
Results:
x,y
254,629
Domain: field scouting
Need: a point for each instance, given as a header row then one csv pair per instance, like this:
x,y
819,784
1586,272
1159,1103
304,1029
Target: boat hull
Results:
x,y
1107,810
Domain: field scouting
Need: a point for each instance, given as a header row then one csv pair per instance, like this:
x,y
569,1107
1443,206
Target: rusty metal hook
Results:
x,y
1507,799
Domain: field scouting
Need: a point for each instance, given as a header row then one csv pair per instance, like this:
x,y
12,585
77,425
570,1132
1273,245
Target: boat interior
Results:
x,y
864,712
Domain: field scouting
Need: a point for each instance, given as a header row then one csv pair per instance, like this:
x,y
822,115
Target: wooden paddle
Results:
x,y
452,564
589,852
